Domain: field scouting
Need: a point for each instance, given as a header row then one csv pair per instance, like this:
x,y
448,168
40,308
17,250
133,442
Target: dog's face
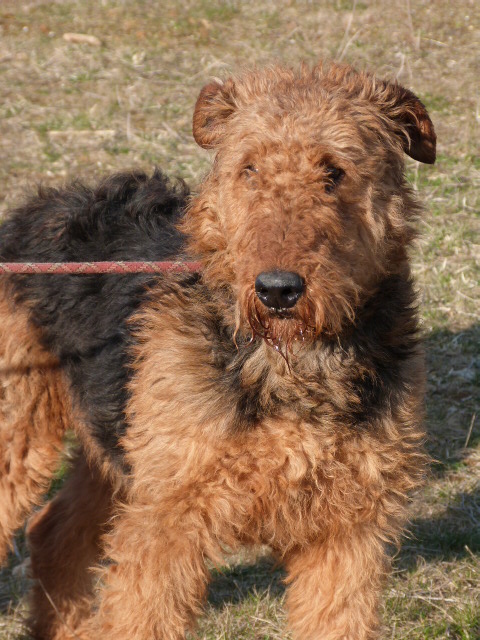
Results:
x,y
306,208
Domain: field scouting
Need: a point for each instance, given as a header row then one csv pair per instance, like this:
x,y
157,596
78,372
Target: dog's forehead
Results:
x,y
286,91
293,110
269,125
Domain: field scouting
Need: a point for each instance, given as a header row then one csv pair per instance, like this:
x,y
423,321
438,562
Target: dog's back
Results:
x,y
72,330
127,217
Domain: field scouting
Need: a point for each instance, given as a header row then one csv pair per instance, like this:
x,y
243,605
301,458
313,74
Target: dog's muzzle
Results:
x,y
279,289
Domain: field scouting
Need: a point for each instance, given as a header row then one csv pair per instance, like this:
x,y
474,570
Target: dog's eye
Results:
x,y
250,170
334,176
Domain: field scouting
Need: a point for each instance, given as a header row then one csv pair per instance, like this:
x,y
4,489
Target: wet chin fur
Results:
x,y
280,329
288,329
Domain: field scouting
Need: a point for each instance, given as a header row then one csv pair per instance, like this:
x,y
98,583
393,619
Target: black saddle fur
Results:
x,y
83,318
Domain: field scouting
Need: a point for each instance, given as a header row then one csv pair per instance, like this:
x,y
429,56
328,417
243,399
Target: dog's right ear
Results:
x,y
214,106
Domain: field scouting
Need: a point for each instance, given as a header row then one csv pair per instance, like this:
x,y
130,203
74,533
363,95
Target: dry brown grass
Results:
x,y
83,109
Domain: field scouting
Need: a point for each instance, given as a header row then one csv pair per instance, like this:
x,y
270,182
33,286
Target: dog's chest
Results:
x,y
224,428
289,481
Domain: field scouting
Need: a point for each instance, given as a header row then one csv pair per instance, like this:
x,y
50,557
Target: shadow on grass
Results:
x,y
453,395
238,583
453,401
453,535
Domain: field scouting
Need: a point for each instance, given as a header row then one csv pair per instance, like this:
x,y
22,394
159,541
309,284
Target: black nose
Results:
x,y
279,289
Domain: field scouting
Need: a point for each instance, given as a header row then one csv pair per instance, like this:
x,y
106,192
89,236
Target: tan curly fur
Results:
x,y
34,413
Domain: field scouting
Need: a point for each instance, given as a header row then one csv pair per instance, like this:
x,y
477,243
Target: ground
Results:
x,y
125,97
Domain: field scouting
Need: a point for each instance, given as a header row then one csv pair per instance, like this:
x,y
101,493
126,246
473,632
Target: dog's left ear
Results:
x,y
409,113
214,106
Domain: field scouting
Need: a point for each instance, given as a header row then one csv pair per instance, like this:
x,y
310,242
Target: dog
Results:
x,y
275,397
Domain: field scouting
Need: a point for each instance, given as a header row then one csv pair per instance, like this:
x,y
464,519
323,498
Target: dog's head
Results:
x,y
306,208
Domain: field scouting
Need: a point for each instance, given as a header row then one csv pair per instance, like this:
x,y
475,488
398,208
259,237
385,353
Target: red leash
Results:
x,y
98,267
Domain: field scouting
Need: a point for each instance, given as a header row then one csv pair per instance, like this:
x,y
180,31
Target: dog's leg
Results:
x,y
33,415
65,543
156,585
334,587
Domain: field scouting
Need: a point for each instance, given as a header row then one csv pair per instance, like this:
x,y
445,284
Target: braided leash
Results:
x,y
98,267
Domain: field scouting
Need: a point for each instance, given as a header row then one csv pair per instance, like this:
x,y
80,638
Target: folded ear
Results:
x,y
414,124
214,106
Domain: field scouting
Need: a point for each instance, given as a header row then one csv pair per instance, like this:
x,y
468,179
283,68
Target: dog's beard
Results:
x,y
288,330
283,330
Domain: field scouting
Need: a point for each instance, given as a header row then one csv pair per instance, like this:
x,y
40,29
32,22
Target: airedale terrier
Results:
x,y
274,398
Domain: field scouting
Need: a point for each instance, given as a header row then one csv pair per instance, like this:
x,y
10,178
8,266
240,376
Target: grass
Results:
x,y
83,110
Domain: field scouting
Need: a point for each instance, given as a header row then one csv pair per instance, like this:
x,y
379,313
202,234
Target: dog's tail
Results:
x,y
34,412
